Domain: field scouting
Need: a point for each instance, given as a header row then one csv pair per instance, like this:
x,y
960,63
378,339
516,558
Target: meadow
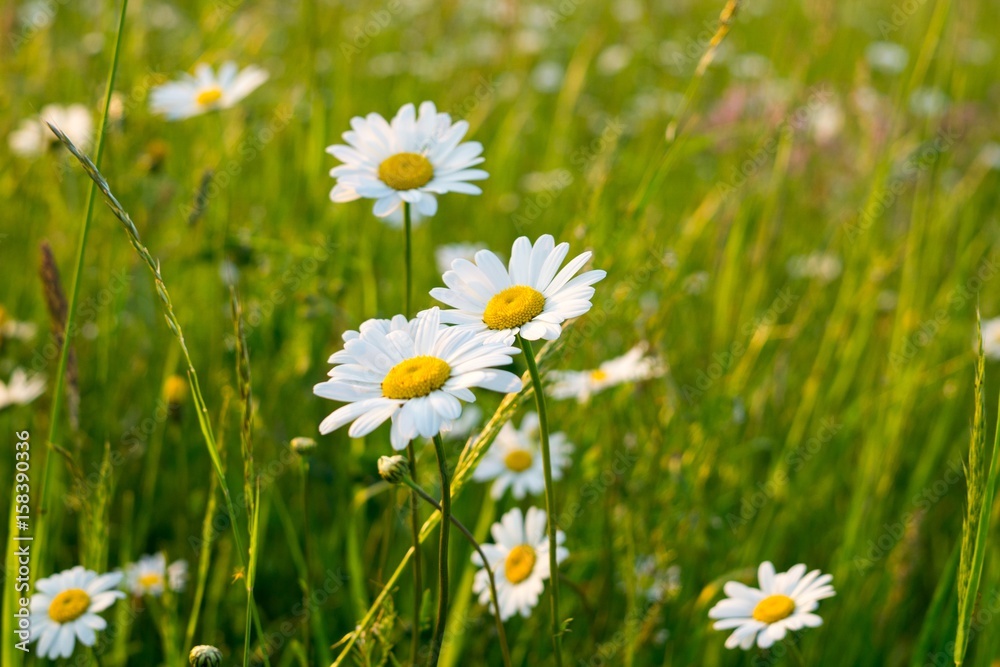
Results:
x,y
796,210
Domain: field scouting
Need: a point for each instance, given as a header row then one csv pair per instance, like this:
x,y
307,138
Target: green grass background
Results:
x,y
802,421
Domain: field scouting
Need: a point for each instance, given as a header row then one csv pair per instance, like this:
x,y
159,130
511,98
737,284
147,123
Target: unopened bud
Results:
x,y
303,445
205,656
393,468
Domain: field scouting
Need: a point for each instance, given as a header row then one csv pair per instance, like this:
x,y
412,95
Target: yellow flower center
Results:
x,y
513,307
415,377
150,580
774,608
69,605
406,171
598,375
519,564
518,460
209,96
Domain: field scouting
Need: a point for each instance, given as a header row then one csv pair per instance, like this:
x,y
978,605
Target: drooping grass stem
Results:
x,y
68,328
173,323
550,497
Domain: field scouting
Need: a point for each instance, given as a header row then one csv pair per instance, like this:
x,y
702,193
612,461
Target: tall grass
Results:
x,y
814,419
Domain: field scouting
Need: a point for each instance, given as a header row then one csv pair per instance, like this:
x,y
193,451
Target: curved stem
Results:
x,y
411,456
550,497
486,564
442,610
69,327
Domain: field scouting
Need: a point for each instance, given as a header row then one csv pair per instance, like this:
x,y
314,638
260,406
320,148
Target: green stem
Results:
x,y
793,650
418,583
550,497
486,564
174,324
442,610
68,328
411,455
307,587
407,226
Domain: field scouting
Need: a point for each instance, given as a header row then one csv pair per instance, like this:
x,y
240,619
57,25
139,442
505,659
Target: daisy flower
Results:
x,y
530,296
205,91
21,389
151,575
519,561
14,330
991,338
514,459
784,602
65,609
32,137
632,366
415,373
410,159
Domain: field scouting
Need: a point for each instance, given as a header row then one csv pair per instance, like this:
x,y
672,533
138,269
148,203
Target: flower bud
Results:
x,y
393,468
205,656
303,445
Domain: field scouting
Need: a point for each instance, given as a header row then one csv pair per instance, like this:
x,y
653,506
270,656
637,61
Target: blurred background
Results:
x,y
802,230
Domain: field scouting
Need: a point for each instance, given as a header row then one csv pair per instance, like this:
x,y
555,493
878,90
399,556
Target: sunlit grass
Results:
x,y
817,415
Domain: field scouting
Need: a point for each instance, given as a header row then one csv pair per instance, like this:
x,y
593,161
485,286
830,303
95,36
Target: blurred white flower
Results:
x,y
823,266
785,601
614,59
989,155
887,57
547,77
696,282
21,389
632,366
14,330
32,137
975,51
991,338
205,91
825,122
519,560
657,585
177,575
463,427
151,576
927,102
514,460
750,66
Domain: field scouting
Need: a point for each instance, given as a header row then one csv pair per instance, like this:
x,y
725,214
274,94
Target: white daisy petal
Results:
x,y
415,372
784,602
411,158
529,296
205,91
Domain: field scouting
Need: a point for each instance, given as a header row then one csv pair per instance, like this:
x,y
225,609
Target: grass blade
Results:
x,y
975,530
